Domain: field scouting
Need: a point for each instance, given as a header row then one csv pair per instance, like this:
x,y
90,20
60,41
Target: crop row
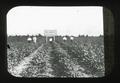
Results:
x,y
88,55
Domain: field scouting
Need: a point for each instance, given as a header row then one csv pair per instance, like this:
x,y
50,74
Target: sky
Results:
x,y
72,20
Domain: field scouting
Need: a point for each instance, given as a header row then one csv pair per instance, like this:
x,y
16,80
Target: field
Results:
x,y
82,57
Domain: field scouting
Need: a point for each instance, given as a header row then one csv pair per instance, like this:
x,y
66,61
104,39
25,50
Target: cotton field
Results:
x,y
81,57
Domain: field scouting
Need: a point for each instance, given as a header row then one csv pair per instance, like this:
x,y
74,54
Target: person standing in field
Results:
x,y
34,39
71,38
64,38
50,39
29,39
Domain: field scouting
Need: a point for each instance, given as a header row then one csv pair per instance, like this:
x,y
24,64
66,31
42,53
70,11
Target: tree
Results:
x,y
39,35
81,36
100,35
86,35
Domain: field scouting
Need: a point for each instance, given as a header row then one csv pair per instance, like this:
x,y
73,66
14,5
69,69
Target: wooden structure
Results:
x,y
50,34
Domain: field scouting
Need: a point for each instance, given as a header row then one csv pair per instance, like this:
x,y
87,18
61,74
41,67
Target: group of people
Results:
x,y
65,38
34,39
30,39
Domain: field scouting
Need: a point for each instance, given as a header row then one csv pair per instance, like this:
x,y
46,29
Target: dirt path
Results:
x,y
39,65
24,63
